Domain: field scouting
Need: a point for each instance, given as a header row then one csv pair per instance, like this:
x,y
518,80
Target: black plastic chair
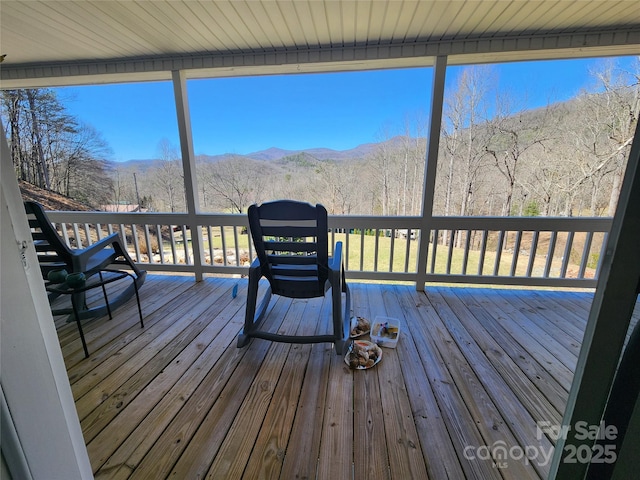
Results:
x,y
54,254
291,242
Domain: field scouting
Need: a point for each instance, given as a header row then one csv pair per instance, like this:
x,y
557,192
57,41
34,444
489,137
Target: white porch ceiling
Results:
x,y
51,42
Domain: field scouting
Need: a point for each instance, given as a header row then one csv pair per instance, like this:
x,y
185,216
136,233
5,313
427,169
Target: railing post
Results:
x,y
189,168
437,100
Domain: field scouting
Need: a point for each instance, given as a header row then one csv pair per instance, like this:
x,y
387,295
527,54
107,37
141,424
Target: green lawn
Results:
x,y
362,255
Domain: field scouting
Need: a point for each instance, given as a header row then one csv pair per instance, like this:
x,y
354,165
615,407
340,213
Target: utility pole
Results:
x,y
135,182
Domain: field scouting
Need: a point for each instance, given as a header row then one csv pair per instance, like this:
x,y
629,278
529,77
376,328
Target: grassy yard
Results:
x,y
371,253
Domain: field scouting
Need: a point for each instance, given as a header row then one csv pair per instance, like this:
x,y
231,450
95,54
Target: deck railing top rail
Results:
x,y
540,251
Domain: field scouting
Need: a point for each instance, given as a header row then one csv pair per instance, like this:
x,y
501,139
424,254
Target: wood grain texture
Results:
x,y
474,368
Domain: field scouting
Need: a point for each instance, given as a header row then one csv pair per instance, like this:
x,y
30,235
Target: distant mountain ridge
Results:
x,y
274,153
320,153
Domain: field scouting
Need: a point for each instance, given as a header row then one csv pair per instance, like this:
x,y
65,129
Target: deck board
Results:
x,y
474,368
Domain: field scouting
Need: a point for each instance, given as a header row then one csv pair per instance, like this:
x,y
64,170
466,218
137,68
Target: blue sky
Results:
x,y
340,111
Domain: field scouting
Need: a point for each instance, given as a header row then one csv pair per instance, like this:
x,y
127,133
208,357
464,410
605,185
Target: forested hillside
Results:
x,y
495,158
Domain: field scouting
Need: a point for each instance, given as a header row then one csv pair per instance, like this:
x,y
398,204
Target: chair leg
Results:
x,y
106,299
252,295
76,314
251,318
340,315
135,286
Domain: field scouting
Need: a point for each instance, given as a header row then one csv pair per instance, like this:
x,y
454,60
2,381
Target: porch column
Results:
x,y
189,168
437,101
40,430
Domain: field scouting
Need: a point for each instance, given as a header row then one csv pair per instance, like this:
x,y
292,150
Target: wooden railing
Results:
x,y
562,252
517,250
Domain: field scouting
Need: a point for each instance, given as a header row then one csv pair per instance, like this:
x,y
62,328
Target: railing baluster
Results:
x,y
87,234
210,240
147,239
76,232
567,255
603,250
434,251
136,242
172,236
123,236
376,244
550,252
65,233
391,250
160,243
237,250
532,253
465,255
185,245
361,249
483,250
223,239
585,254
407,254
496,265
452,241
516,253
346,249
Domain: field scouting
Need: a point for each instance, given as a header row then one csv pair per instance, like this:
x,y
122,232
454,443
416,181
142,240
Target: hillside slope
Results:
x,y
50,200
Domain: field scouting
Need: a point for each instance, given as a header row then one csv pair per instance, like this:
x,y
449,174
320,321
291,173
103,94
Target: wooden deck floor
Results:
x,y
474,370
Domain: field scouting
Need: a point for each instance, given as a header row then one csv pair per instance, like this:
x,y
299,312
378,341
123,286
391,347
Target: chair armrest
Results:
x,y
98,251
255,270
99,245
255,263
255,274
335,262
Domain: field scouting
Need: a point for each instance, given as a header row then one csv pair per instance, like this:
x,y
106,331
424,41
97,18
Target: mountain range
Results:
x,y
274,153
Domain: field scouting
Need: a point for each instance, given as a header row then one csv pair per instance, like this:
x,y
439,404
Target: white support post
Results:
x,y
34,382
437,101
189,168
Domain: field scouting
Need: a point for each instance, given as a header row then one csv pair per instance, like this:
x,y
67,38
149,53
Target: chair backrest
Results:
x,y
291,241
53,252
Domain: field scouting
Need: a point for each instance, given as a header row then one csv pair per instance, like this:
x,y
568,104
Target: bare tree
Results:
x,y
124,191
621,101
168,177
11,105
596,139
341,187
382,163
84,167
465,133
513,132
546,179
51,149
36,141
235,183
412,156
464,138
